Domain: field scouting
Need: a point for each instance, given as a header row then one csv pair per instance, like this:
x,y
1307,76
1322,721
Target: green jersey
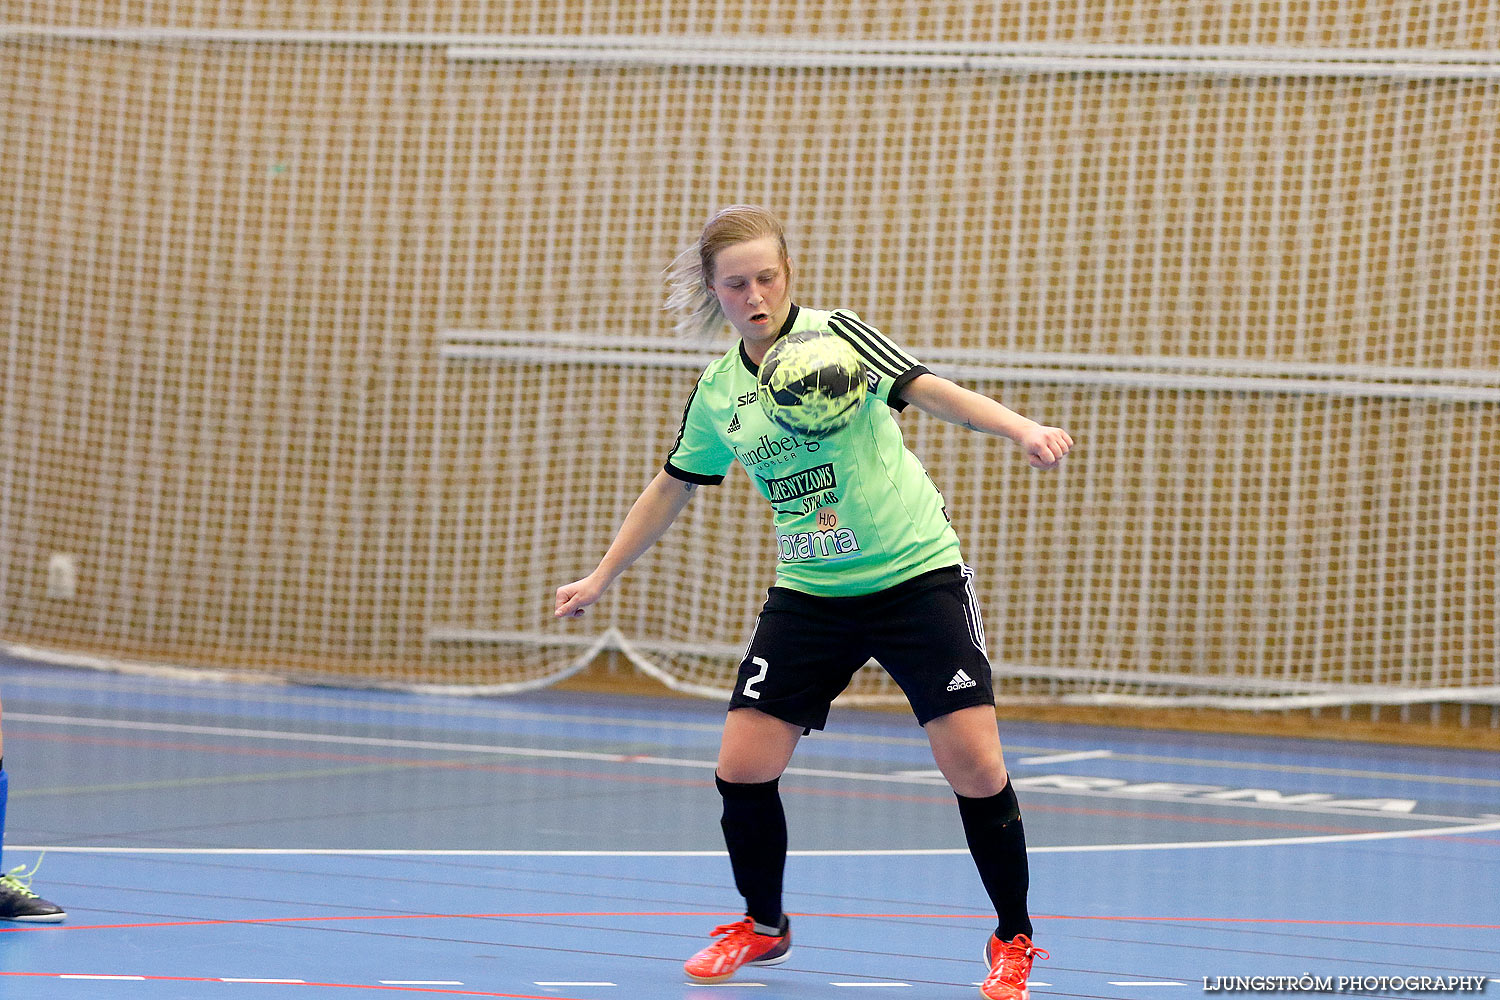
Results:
x,y
855,511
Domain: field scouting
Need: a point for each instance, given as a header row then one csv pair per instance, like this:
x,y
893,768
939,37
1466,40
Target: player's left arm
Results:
x,y
947,400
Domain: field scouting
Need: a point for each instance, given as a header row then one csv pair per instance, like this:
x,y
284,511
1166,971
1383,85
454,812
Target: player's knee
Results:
x,y
748,772
968,754
977,777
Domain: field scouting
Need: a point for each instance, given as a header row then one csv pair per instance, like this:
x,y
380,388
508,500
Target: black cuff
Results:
x,y
691,477
893,398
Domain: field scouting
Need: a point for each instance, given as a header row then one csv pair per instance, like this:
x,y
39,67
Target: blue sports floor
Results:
x,y
288,843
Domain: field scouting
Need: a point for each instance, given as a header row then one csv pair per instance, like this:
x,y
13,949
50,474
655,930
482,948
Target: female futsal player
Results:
x,y
17,901
893,586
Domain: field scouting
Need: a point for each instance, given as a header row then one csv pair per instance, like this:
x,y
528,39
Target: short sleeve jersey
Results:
x,y
855,512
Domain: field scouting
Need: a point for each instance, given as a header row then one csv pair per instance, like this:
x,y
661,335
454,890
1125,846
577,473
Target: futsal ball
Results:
x,y
812,383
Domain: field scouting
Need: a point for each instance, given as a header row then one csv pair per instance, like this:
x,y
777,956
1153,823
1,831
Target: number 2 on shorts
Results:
x,y
765,667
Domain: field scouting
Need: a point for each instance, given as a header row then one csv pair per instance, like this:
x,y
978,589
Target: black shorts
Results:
x,y
926,632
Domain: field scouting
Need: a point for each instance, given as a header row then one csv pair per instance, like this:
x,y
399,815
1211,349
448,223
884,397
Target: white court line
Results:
x,y
1065,758
1180,845
927,778
424,982
561,983
289,982
869,985
361,741
275,694
1143,983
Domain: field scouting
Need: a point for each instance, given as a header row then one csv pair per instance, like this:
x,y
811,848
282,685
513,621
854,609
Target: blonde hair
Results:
x,y
689,277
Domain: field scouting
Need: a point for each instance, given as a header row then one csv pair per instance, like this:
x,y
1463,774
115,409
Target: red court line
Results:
x,y
1161,919
41,929
54,928
335,986
1283,920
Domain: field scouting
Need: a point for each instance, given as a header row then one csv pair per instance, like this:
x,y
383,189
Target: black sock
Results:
x,y
754,827
998,843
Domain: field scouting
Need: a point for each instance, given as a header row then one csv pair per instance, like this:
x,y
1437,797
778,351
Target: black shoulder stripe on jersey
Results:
x,y
903,360
879,363
880,353
683,474
682,427
870,345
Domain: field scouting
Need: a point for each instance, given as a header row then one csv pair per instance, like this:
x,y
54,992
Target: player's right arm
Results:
x,y
650,516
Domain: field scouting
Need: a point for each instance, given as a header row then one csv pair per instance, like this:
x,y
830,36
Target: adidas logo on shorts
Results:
x,y
960,681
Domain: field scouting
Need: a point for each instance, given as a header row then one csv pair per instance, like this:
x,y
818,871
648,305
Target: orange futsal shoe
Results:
x,y
1010,966
739,944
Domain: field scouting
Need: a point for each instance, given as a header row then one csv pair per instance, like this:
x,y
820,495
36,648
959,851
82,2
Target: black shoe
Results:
x,y
18,902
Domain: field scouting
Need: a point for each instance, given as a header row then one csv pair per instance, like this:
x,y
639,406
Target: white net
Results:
x,y
331,344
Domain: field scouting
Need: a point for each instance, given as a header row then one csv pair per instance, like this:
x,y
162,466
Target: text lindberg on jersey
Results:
x,y
768,448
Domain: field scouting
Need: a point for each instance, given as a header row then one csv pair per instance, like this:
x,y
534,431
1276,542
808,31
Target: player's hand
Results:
x,y
1045,446
572,598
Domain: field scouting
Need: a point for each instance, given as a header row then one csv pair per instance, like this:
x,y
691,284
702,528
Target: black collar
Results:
x,y
786,328
791,317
